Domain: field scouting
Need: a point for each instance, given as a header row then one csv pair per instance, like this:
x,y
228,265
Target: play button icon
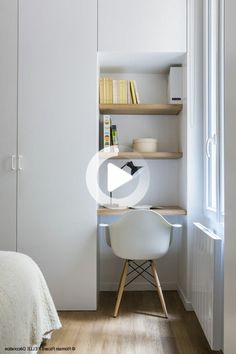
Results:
x,y
103,177
116,177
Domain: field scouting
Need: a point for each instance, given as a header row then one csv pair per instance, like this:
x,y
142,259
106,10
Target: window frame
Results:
x,y
213,32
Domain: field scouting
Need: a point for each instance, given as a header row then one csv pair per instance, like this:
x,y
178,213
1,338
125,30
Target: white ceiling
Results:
x,y
116,62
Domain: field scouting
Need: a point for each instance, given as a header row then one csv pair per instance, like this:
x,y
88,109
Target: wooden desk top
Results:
x,y
165,210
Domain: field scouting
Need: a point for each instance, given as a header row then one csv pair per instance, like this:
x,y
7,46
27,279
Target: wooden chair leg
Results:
x,y
163,304
121,287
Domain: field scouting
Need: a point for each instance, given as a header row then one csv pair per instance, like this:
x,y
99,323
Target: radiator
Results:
x,y
207,284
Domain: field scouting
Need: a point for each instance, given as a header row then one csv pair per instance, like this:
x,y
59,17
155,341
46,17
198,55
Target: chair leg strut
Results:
x,y
121,288
159,290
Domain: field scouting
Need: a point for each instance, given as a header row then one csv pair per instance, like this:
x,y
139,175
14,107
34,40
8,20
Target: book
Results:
x,y
101,90
110,91
115,91
114,138
125,91
132,90
107,133
136,92
120,90
106,94
129,100
105,90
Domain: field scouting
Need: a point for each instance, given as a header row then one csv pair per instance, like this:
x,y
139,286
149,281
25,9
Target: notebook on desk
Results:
x,y
114,206
135,207
145,206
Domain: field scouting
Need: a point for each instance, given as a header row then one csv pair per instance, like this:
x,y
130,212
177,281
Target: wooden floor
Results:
x,y
139,328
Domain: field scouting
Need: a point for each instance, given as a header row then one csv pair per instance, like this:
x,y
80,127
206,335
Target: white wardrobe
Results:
x,y
49,124
48,120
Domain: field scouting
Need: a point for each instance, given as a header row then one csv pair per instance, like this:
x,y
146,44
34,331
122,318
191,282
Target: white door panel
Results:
x,y
57,138
8,123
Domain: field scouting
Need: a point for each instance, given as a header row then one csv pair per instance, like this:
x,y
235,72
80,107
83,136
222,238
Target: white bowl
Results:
x,y
145,145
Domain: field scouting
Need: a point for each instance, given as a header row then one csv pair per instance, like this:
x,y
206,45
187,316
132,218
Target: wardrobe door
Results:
x,y
8,125
57,138
142,26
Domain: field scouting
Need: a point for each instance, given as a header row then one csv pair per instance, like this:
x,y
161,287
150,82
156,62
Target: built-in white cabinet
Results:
x,y
49,120
51,126
142,26
8,114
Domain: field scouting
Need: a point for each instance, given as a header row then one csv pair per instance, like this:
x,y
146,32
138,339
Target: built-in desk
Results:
x,y
165,210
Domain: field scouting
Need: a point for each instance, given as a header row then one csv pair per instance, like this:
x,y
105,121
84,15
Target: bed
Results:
x,y
27,311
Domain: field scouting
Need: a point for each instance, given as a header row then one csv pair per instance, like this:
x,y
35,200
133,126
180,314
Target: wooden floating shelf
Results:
x,y
165,210
138,155
153,109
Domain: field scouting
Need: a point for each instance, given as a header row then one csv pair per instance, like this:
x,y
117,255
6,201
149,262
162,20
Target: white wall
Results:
x,y
230,178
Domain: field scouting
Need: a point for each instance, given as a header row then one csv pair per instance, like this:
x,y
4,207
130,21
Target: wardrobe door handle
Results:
x,y
210,141
20,167
13,162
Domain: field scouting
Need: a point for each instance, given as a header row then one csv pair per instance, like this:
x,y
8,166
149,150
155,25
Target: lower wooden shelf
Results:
x,y
164,210
141,155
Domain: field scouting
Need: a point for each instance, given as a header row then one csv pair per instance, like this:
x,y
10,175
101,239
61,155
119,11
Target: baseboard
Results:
x,y
138,286
187,304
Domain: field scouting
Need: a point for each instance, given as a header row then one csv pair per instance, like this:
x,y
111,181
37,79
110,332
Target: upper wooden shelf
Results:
x,y
140,155
165,210
152,109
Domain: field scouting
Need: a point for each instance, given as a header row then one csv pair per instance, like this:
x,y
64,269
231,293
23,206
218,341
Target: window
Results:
x,y
213,112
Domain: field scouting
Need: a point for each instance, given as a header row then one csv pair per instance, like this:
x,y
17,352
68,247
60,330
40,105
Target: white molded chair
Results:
x,y
140,235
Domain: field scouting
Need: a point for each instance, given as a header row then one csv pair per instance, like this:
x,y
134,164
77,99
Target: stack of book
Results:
x,y
110,135
118,91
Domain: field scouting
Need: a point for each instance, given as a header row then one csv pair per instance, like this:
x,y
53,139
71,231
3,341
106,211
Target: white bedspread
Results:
x,y
27,311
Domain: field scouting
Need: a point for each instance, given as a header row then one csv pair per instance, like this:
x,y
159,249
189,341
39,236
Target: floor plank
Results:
x,y
139,328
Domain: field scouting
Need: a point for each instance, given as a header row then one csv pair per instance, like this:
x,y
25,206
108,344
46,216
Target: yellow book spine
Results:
x,y
129,101
132,90
101,90
120,91
110,84
106,90
114,92
125,92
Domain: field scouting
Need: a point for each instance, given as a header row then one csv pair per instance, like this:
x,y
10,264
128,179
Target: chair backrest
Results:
x,y
140,234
